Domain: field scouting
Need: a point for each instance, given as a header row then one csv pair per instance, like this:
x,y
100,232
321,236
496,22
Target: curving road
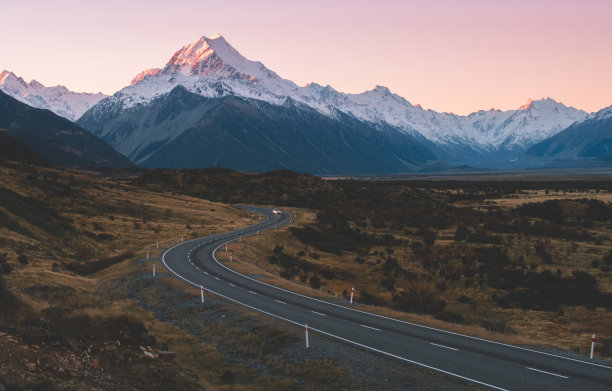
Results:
x,y
495,365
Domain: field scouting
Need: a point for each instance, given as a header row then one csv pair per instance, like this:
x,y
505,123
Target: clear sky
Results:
x,y
447,55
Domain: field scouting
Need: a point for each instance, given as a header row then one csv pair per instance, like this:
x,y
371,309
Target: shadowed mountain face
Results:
x,y
54,138
186,130
14,150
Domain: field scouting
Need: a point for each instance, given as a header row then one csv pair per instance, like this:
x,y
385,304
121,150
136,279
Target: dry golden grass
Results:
x,y
570,330
135,219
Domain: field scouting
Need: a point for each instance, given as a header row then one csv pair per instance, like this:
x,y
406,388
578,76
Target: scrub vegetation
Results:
x,y
79,308
514,260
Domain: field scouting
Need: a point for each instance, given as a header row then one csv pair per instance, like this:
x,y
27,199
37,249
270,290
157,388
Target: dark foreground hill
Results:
x,y
14,150
54,138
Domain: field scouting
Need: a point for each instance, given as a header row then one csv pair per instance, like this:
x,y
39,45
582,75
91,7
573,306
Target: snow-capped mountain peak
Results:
x,y
211,67
58,99
206,56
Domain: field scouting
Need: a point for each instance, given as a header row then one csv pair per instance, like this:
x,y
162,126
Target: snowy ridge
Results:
x,y
602,114
58,99
211,67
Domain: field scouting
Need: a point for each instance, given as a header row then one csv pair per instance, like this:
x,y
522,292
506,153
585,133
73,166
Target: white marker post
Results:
x,y
147,254
157,245
592,345
352,293
202,292
306,332
153,270
230,257
225,247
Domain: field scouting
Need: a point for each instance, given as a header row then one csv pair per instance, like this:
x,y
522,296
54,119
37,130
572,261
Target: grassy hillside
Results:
x,y
65,238
80,309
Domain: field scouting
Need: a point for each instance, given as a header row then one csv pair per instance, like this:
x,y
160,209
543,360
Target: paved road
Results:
x,y
492,364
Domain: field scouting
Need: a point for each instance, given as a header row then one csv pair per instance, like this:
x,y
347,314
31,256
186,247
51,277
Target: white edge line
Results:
x,y
548,373
443,346
403,321
369,327
318,313
328,334
282,302
252,292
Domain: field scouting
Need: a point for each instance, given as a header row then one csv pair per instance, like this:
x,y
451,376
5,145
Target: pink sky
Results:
x,y
458,56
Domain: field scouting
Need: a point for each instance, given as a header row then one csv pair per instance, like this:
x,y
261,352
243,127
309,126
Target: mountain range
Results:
x,y
59,99
209,102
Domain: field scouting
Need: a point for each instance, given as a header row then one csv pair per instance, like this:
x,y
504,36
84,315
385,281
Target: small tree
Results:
x,y
315,282
228,378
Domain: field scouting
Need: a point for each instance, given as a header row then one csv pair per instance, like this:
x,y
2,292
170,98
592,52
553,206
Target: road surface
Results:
x,y
491,364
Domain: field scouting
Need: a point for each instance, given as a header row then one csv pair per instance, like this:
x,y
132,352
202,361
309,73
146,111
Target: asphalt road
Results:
x,y
491,364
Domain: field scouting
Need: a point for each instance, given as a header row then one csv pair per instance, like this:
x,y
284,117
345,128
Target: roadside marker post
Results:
x,y
157,245
230,257
147,254
592,345
306,332
202,292
352,293
225,247
153,270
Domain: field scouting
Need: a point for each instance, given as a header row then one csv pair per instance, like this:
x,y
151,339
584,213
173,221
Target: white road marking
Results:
x,y
252,292
282,302
318,313
548,373
442,346
163,259
205,272
232,285
368,327
217,278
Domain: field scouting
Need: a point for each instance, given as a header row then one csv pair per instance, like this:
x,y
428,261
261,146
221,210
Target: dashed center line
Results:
x,y
252,292
232,285
282,302
318,313
217,278
368,327
205,272
548,373
443,346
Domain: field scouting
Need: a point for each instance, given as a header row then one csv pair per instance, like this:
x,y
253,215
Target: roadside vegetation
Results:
x,y
527,262
79,307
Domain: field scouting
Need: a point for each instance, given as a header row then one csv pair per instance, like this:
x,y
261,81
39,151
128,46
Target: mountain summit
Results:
x,y
215,57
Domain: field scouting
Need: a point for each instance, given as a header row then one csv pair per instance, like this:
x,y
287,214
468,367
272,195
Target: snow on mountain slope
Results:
x,y
59,99
211,67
